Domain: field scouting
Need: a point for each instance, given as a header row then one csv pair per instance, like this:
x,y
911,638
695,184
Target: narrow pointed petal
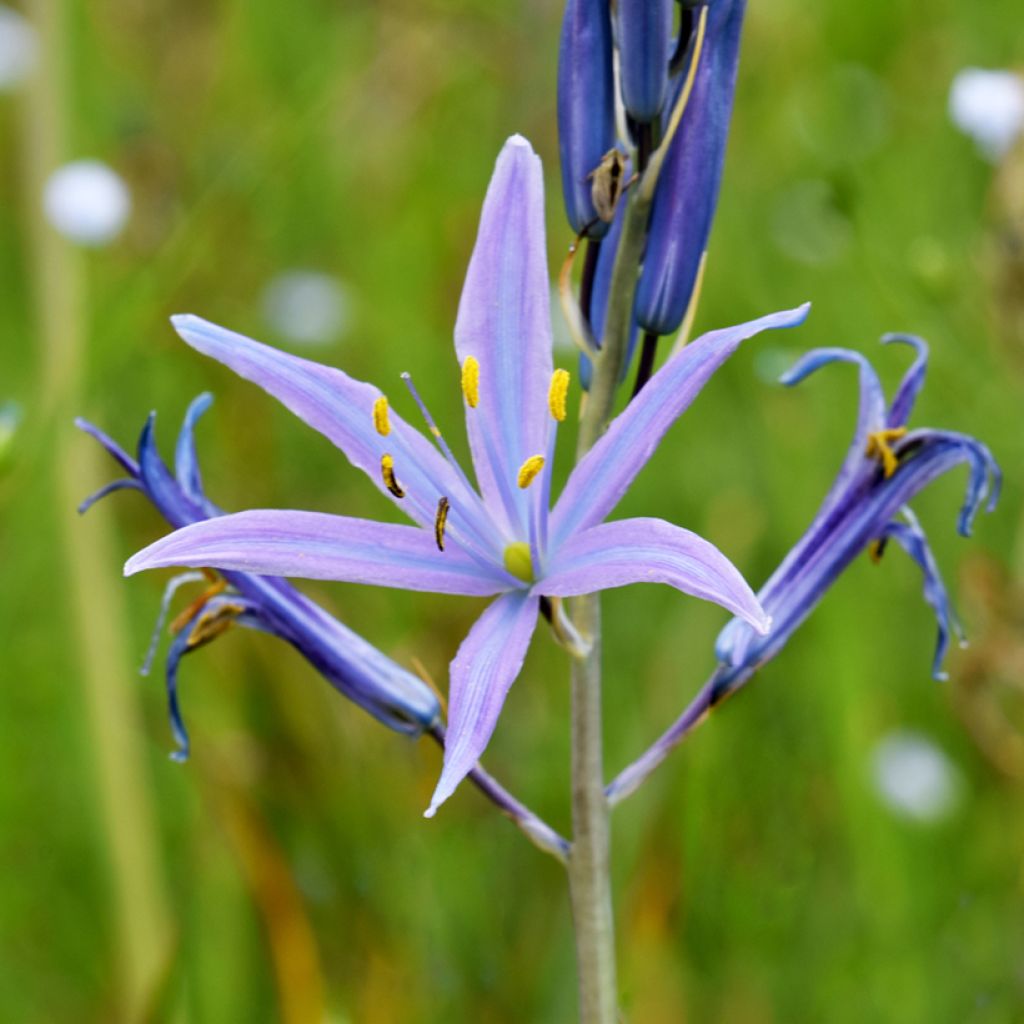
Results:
x,y
912,539
186,462
314,545
341,409
481,674
687,192
910,387
586,107
643,33
650,551
504,323
160,484
606,471
116,452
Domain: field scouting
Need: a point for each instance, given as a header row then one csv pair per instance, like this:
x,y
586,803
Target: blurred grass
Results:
x,y
759,878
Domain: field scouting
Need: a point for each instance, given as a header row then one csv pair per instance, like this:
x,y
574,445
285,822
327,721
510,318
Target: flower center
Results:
x,y
519,561
880,446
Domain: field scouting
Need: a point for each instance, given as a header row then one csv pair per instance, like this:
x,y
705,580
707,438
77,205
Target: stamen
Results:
x,y
212,622
529,469
519,561
387,469
876,549
471,381
380,416
217,586
439,522
880,447
557,393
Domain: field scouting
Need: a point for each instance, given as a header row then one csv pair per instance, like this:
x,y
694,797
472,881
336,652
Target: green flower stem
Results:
x,y
142,921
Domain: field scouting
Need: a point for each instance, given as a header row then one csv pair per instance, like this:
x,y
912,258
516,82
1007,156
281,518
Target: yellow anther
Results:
x,y
519,561
380,416
529,469
875,550
880,447
557,394
439,522
387,469
471,381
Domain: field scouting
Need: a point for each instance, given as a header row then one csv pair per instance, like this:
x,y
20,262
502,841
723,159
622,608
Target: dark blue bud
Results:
x,y
687,192
586,108
643,34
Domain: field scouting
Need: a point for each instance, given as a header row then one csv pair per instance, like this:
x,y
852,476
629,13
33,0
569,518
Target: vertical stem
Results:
x,y
589,878
142,920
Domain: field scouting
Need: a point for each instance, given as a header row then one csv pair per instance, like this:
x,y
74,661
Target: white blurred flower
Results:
x,y
989,107
19,47
87,202
915,778
307,307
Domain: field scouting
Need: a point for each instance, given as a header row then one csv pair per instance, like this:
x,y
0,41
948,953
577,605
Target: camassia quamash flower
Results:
x,y
497,538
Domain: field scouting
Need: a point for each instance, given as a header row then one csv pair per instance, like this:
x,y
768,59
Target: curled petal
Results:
x,y
912,539
913,380
650,551
504,325
124,484
314,545
186,462
606,471
127,463
487,664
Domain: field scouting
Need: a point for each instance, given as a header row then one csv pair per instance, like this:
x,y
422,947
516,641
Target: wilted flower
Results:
x,y
886,467
354,667
498,541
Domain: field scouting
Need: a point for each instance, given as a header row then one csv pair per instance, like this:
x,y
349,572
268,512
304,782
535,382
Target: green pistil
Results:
x,y
519,562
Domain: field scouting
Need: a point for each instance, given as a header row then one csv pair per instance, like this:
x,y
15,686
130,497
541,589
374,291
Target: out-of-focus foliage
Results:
x,y
760,877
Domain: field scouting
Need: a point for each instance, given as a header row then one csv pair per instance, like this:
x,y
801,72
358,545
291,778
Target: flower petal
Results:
x,y
913,380
504,323
341,409
650,551
186,461
606,471
481,674
912,539
314,545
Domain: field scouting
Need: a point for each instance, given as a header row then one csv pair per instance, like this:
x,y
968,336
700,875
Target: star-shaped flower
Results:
x,y
497,538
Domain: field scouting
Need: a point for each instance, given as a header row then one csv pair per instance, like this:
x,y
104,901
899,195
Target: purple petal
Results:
x,y
481,674
650,551
912,539
341,409
314,545
605,473
913,380
504,323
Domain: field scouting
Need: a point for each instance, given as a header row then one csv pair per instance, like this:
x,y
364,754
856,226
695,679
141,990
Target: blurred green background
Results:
x,y
285,873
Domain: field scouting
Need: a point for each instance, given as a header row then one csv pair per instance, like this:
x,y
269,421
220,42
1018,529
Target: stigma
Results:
x,y
519,561
880,447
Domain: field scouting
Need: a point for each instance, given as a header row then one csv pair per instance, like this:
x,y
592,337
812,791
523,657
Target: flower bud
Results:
x,y
643,34
687,192
586,109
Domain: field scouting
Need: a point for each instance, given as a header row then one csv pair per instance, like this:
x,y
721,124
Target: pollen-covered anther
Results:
x,y
213,622
387,470
880,447
529,469
381,422
557,393
471,381
876,549
440,520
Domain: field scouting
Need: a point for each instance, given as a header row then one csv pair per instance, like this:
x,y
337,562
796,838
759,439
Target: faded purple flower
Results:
x,y
496,538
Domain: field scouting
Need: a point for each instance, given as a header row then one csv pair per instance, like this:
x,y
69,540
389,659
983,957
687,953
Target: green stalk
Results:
x,y
143,924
